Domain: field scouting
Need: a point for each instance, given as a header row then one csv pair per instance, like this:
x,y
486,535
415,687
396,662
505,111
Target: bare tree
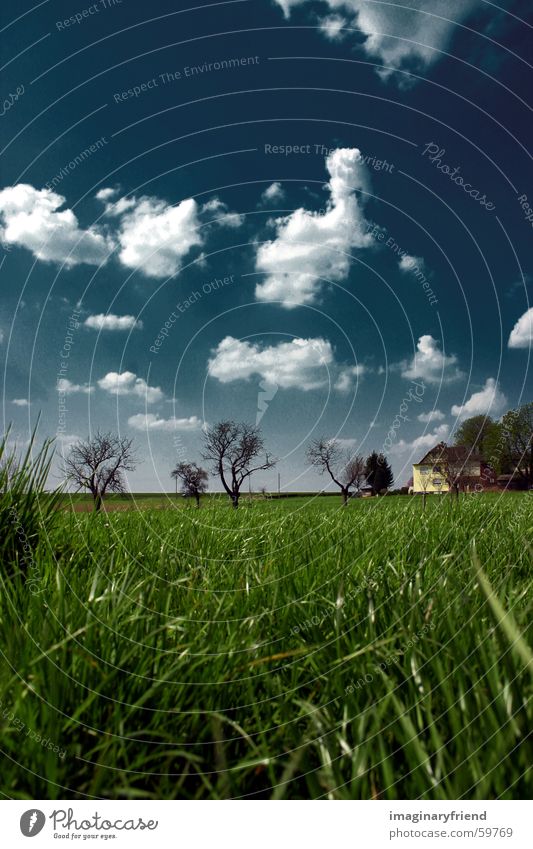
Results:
x,y
344,470
193,480
233,448
99,464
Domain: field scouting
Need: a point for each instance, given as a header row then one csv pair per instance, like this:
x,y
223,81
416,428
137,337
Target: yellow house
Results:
x,y
442,463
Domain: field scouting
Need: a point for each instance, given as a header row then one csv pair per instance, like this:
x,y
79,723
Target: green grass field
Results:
x,y
290,649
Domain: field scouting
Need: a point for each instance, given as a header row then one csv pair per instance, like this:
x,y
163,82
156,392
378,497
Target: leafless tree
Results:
x,y
99,464
193,480
232,448
344,469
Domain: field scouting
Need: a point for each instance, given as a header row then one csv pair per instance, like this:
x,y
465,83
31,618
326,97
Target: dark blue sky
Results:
x,y
239,214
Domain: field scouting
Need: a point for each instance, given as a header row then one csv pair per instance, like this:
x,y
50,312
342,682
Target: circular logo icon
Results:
x,y
32,822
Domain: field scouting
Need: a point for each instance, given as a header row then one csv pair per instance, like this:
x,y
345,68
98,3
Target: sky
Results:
x,y
311,216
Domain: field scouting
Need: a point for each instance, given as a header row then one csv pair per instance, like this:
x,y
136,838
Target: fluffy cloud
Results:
x,y
430,364
150,234
301,363
273,192
432,416
66,387
311,248
150,422
106,194
490,399
421,444
407,35
127,383
522,333
112,322
409,263
21,402
348,378
332,27
155,237
31,219
222,214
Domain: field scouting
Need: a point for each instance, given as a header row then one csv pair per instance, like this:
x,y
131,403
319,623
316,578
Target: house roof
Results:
x,y
452,454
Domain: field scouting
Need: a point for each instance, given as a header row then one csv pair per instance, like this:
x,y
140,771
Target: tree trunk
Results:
x,y
97,501
424,496
197,496
235,500
344,497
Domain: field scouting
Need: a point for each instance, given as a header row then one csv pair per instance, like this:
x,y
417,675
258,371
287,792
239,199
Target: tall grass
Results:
x,y
285,651
27,513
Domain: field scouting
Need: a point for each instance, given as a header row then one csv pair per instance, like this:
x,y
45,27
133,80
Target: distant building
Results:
x,y
515,481
442,463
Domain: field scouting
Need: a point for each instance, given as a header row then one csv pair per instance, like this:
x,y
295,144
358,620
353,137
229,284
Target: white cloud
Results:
x,y
490,399
106,194
222,215
332,27
112,322
127,383
30,218
301,363
430,364
65,441
432,416
311,248
407,35
409,263
150,422
66,387
21,402
153,236
348,378
421,444
347,443
273,192
522,333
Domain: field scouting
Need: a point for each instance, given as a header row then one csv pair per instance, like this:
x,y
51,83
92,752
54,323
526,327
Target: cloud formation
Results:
x,y
151,235
421,444
154,236
349,377
67,387
31,218
430,364
299,364
112,322
151,422
522,333
127,383
490,399
272,193
432,416
407,35
409,263
311,248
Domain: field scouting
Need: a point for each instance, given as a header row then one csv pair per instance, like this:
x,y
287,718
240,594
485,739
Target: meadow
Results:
x,y
288,649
